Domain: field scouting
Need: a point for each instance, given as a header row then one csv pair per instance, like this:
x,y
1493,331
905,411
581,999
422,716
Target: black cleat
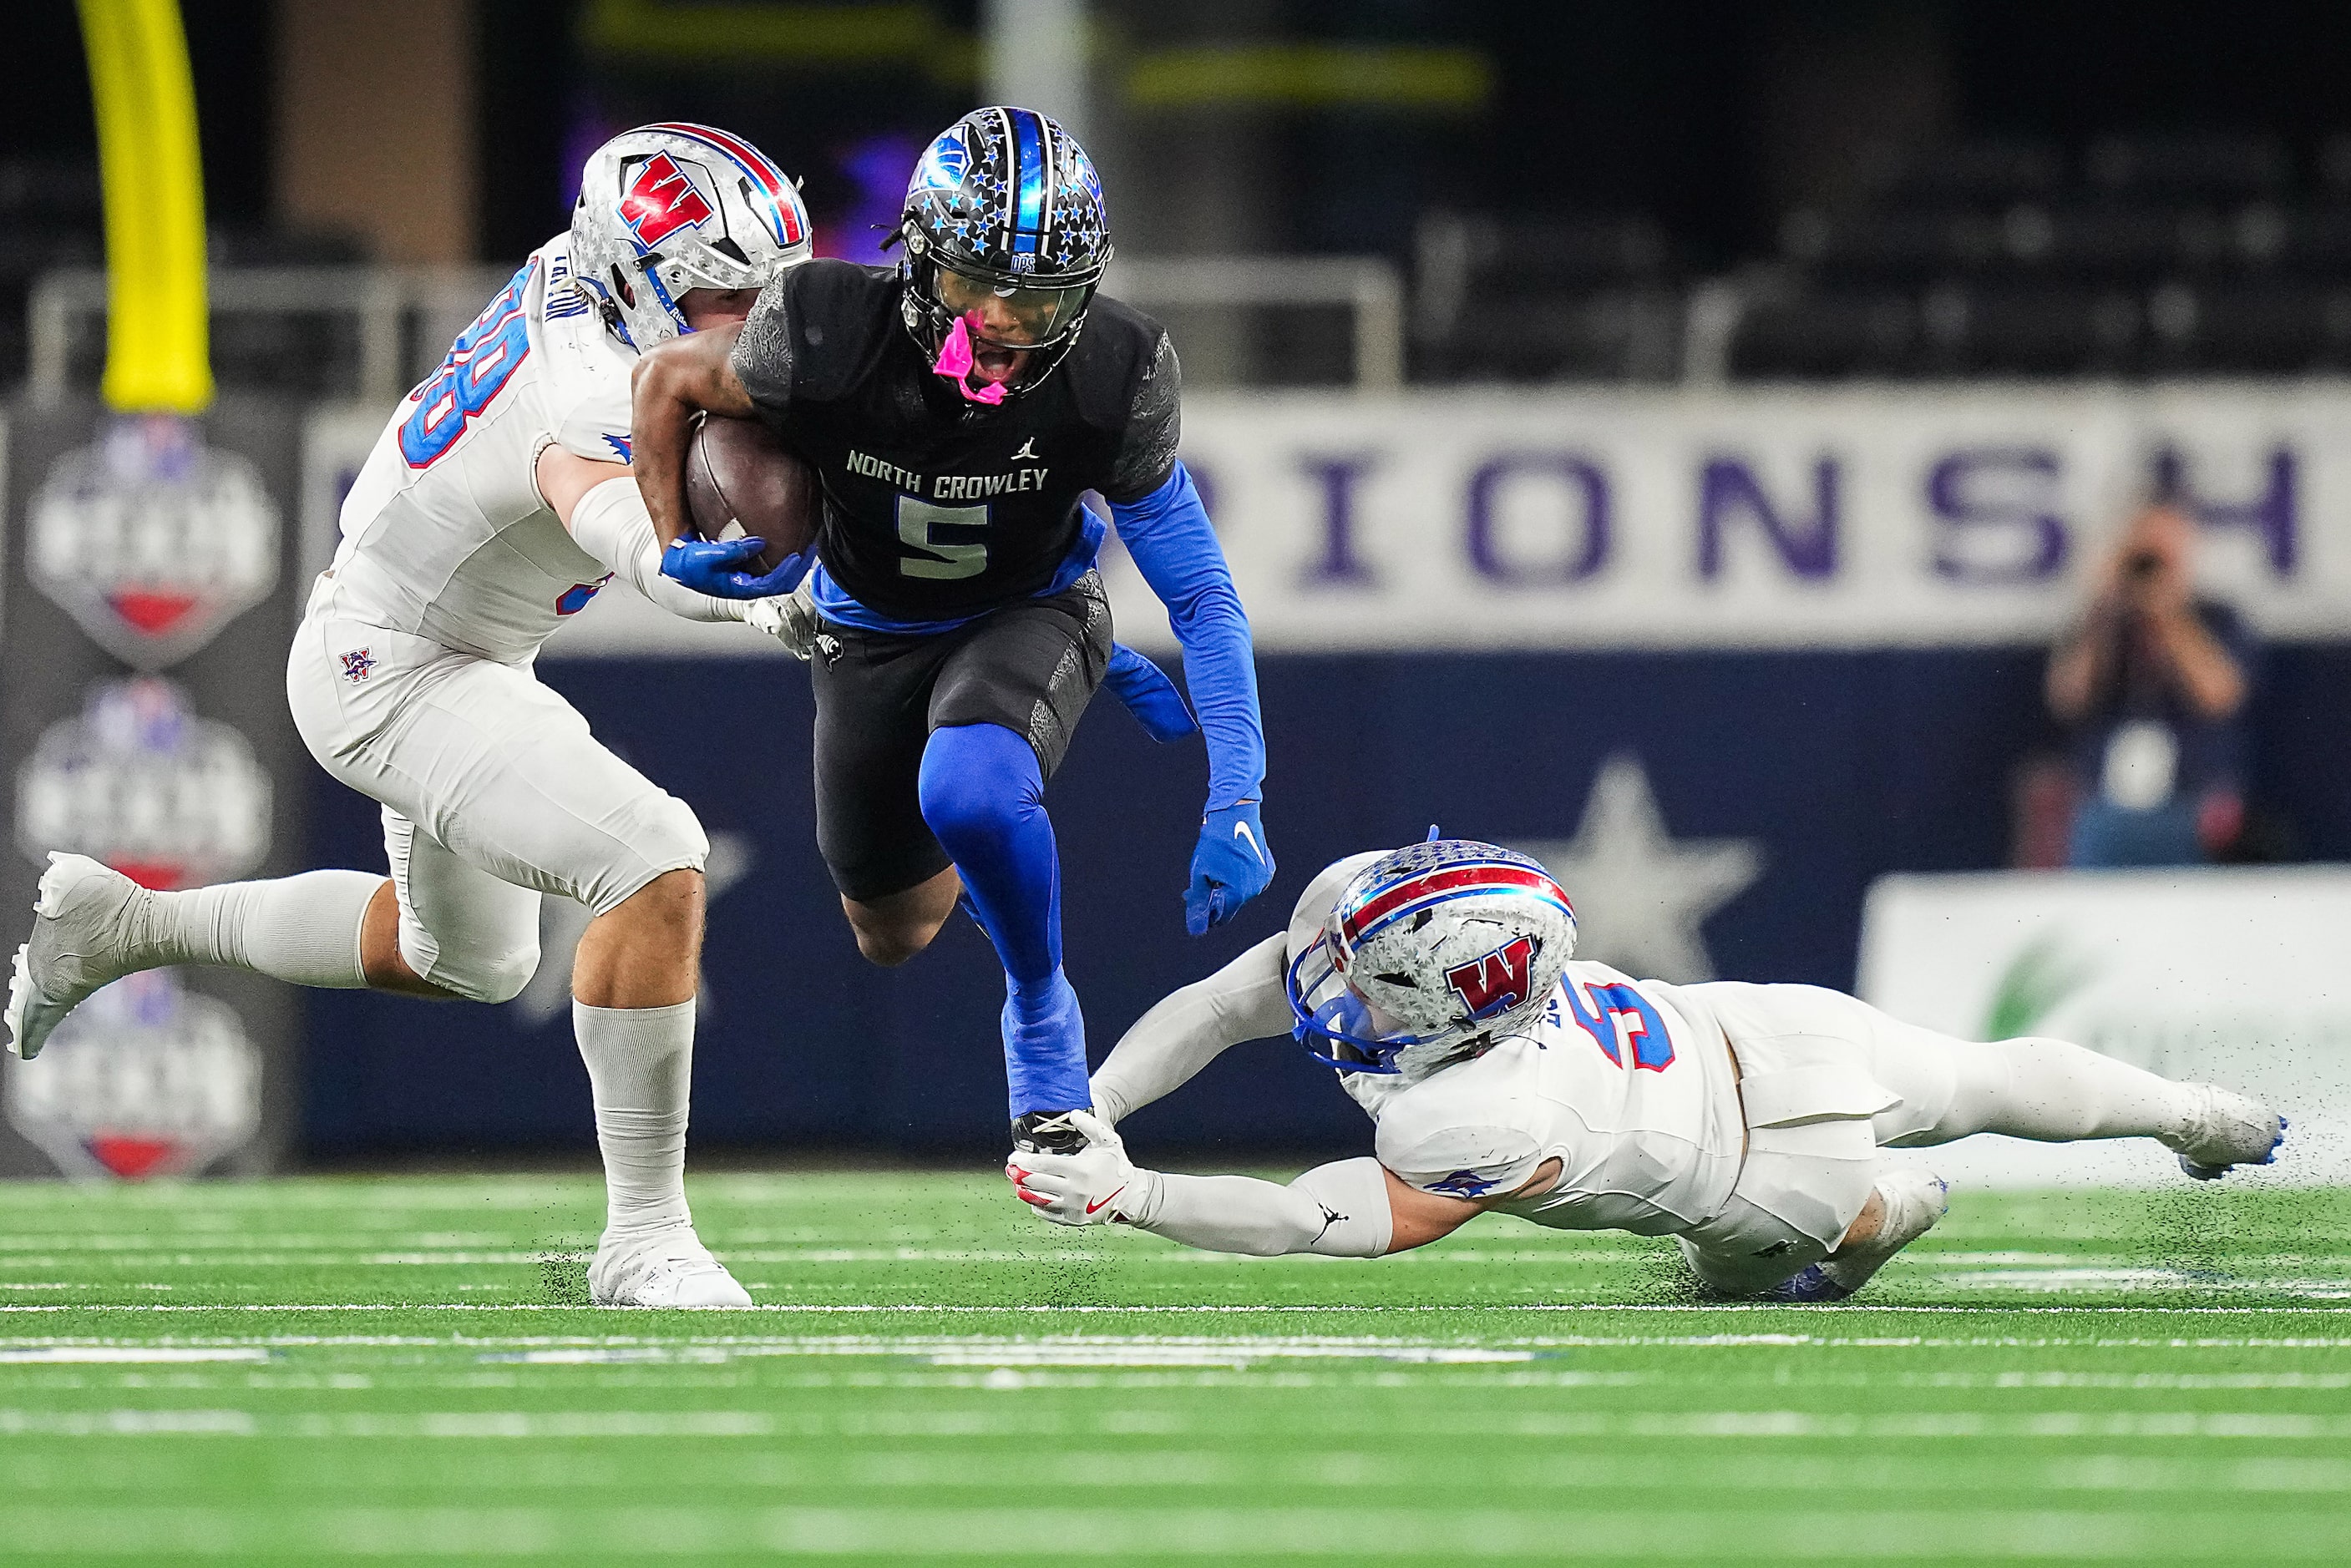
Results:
x,y
1047,1132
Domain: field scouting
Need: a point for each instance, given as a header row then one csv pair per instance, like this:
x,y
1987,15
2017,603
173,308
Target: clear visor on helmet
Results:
x,y
1340,1030
1008,313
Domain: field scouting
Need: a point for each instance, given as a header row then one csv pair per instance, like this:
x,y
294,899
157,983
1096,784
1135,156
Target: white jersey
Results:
x,y
444,536
1627,1083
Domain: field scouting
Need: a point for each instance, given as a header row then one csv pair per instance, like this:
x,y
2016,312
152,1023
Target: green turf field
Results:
x,y
390,1370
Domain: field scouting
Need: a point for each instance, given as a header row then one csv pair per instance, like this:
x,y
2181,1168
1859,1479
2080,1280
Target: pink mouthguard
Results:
x,y
954,363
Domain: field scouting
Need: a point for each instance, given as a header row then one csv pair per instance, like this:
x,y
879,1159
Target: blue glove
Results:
x,y
1149,695
703,565
1232,865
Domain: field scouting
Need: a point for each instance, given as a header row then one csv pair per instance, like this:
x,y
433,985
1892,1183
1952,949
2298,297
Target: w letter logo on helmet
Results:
x,y
660,201
1497,981
667,209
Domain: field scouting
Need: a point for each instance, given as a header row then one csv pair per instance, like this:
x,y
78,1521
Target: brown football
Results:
x,y
739,479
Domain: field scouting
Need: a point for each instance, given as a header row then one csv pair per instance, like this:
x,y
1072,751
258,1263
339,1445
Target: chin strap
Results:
x,y
954,363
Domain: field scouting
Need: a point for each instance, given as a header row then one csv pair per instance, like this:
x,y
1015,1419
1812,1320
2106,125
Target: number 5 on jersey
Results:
x,y
939,558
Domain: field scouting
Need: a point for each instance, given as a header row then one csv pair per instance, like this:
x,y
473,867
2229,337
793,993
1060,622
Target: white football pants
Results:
x,y
493,791
1801,1185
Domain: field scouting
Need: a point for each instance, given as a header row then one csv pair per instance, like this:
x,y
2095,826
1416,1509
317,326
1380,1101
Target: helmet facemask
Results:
x,y
999,314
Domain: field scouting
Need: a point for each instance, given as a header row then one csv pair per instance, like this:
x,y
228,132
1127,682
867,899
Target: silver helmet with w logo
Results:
x,y
675,206
1429,953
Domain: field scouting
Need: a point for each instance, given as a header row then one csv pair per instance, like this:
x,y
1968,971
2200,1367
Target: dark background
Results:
x,y
1703,113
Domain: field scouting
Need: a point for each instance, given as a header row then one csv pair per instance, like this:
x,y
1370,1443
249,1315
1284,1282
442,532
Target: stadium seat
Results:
x,y
2117,241
2189,166
1890,247
2314,242
1513,299
1993,172
2031,329
1621,333
1816,336
2279,328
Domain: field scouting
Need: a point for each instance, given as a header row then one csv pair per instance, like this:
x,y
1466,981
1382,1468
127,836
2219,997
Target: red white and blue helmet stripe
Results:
x,y
1379,907
773,196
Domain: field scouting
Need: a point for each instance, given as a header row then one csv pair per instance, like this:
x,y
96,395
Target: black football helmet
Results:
x,y
1004,219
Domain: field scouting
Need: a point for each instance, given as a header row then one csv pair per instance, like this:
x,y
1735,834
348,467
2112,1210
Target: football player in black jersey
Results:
x,y
956,409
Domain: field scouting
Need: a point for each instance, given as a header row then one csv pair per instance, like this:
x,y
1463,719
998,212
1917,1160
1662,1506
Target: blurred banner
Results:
x,y
1889,518
2228,976
143,722
1782,519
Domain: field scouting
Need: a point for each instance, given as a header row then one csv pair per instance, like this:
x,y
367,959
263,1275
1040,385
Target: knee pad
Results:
x,y
494,977
976,778
660,834
476,971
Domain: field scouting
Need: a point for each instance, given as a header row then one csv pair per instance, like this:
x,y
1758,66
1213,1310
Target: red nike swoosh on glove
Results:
x,y
1096,1207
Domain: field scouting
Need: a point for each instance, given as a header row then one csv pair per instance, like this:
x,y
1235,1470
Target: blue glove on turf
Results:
x,y
704,565
1149,695
1232,865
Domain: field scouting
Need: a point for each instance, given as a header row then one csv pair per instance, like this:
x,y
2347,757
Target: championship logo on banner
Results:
x,y
145,1079
152,540
138,781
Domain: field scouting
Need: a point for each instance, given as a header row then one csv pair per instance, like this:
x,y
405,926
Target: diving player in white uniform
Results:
x,y
494,506
1745,1121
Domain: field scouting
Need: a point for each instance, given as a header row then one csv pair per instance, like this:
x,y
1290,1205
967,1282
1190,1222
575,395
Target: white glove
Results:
x,y
1091,1188
791,618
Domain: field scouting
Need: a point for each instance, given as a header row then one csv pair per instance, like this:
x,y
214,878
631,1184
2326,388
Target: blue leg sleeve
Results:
x,y
983,796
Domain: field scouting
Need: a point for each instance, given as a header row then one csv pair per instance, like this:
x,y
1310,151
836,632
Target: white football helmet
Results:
x,y
1459,943
669,207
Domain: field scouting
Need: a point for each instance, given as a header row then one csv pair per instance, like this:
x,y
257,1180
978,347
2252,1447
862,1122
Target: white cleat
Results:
x,y
81,940
2227,1129
669,1268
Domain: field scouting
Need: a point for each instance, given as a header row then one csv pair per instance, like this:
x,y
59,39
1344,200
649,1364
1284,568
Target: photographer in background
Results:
x,y
2152,682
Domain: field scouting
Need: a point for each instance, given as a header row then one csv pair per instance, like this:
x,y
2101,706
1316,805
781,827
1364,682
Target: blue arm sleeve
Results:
x,y
1168,534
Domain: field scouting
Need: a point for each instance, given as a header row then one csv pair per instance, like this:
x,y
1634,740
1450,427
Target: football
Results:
x,y
739,479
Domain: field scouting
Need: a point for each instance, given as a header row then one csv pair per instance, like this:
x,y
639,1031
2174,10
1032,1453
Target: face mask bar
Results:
x,y
1337,1020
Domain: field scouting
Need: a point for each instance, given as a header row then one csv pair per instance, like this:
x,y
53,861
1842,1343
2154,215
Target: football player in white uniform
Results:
x,y
495,506
1745,1121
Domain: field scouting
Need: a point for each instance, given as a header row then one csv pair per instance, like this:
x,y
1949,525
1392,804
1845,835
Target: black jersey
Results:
x,y
936,507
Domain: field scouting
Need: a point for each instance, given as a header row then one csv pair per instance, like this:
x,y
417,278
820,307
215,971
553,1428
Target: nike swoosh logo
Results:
x,y
1096,1207
1241,830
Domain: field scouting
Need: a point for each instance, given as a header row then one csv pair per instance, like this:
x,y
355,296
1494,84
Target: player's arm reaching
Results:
x,y
1160,519
1351,1209
1188,1029
1348,1209
599,502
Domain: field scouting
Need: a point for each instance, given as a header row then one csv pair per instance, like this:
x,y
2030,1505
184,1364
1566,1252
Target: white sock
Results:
x,y
304,929
2057,1092
641,1066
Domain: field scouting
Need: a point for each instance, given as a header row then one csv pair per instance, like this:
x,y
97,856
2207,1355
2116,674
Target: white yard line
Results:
x,y
1236,1309
1945,1425
140,1354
